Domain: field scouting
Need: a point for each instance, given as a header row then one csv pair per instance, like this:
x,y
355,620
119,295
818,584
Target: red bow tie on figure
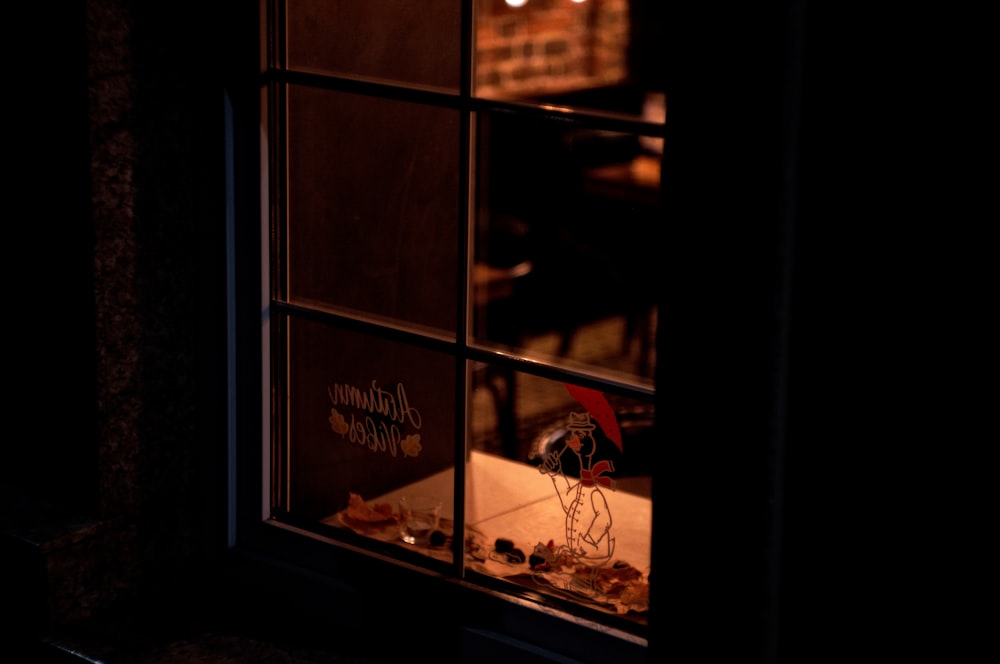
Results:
x,y
589,477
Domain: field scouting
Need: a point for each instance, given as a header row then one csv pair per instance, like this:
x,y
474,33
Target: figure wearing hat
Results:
x,y
588,519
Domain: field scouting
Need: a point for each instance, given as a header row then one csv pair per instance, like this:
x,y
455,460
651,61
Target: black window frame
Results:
x,y
721,513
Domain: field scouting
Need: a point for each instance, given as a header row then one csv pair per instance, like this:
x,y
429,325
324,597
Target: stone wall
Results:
x,y
119,487
155,108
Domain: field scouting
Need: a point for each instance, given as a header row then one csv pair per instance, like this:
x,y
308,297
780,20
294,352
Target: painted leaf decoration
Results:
x,y
411,445
337,422
599,408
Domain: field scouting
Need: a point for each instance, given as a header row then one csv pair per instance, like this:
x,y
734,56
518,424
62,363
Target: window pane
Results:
x,y
565,243
592,55
407,41
370,197
372,206
368,417
570,512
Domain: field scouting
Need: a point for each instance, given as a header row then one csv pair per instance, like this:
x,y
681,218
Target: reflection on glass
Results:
x,y
563,508
564,244
403,41
368,421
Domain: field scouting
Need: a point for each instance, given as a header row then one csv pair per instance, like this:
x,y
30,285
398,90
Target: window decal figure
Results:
x,y
589,542
579,547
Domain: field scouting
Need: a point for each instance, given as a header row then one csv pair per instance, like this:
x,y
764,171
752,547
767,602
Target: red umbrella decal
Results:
x,y
599,408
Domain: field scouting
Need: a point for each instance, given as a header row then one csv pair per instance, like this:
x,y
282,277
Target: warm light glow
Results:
x,y
521,3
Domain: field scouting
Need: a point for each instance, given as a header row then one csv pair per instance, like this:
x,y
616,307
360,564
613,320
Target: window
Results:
x,y
456,297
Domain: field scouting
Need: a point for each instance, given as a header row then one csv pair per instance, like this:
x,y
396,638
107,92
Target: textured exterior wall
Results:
x,y
156,198
141,448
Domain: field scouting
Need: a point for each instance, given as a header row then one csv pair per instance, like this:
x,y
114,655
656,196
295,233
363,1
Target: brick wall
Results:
x,y
550,46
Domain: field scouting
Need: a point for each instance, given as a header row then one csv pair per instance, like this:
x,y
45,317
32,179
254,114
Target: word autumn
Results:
x,y
379,430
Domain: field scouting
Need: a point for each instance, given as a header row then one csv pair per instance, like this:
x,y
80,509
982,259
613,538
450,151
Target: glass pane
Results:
x,y
407,41
565,243
588,54
565,509
367,421
372,206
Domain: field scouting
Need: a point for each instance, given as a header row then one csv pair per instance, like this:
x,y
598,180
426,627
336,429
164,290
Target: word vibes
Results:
x,y
376,418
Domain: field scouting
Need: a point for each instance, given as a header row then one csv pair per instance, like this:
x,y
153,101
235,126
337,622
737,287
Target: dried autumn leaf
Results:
x,y
359,510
